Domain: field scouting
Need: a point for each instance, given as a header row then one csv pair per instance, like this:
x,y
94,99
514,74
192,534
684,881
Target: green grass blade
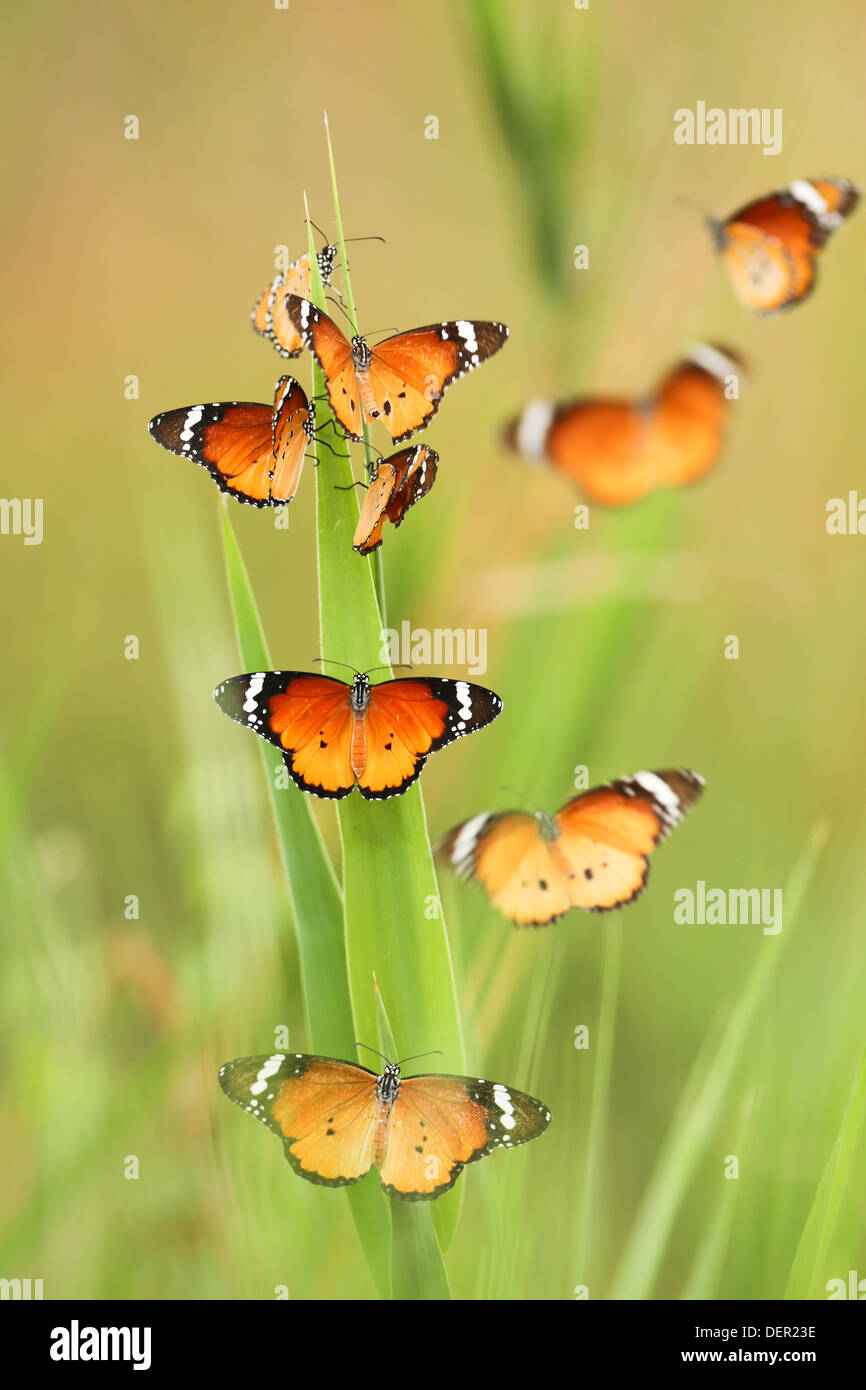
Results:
x,y
591,1197
389,881
316,904
701,1104
808,1270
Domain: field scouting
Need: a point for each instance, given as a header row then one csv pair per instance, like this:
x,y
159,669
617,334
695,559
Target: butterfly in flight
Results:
x,y
396,484
253,452
337,1120
335,736
401,380
269,317
593,854
618,451
770,246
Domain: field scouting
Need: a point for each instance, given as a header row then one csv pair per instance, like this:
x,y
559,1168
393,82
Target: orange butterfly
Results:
x,y
253,452
400,381
337,1120
396,484
593,854
336,736
269,317
618,451
770,246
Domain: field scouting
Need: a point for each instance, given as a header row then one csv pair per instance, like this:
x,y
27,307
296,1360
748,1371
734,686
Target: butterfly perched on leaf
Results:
x,y
617,450
253,452
335,736
770,246
401,380
396,484
269,317
593,854
337,1120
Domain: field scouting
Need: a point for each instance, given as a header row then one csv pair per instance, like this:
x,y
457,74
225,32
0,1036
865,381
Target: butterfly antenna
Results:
x,y
348,487
363,238
377,331
437,1052
392,666
521,796
326,660
376,1050
318,229
330,298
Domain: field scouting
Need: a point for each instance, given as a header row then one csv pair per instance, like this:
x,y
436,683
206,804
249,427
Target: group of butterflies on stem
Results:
x,y
338,1119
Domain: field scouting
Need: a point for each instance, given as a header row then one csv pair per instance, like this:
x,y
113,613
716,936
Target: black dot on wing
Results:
x,y
329,1131
542,883
587,873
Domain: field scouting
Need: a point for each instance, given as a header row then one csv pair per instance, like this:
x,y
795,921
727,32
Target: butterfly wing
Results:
x,y
261,309
419,467
324,1111
769,246
292,429
441,1123
407,720
514,865
233,440
607,835
371,521
282,332
308,717
333,352
605,447
689,416
410,372
396,485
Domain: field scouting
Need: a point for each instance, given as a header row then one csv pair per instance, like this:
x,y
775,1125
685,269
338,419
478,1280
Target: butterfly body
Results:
x,y
402,379
335,736
337,1120
770,245
253,452
593,854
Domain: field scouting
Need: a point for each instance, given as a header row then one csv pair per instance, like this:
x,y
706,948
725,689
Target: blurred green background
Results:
x,y
121,777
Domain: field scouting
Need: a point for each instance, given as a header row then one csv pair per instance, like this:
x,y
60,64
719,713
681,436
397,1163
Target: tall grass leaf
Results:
x,y
701,1103
808,1270
395,932
316,904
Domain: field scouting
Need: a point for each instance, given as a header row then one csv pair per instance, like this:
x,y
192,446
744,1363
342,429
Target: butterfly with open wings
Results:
x,y
253,452
770,246
337,1120
401,380
618,451
335,736
593,854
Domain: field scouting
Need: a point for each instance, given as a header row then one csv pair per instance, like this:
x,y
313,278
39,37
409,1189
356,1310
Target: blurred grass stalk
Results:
x,y
539,90
701,1103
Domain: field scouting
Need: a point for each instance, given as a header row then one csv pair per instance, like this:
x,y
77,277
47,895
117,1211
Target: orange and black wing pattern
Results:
x,y
409,373
294,423
401,381
309,717
334,736
333,352
770,246
324,1110
236,441
441,1123
619,451
407,720
270,318
396,484
593,855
